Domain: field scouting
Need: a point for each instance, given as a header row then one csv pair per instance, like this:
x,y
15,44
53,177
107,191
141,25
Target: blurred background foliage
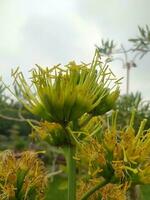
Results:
x,y
125,105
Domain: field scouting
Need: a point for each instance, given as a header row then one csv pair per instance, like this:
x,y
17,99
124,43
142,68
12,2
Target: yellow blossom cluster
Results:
x,y
23,177
120,157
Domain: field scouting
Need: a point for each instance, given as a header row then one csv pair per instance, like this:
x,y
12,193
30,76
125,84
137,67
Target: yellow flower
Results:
x,y
53,133
120,156
22,178
114,192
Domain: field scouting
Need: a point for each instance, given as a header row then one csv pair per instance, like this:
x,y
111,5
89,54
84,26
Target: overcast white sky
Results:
x,y
50,31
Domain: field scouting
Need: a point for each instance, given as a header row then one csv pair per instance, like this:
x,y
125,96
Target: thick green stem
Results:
x,y
92,190
71,164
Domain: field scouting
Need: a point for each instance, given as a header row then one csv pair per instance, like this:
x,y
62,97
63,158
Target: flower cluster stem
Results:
x,y
71,164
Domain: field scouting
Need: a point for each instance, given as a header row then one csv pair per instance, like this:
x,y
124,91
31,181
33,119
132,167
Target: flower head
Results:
x,y
65,94
120,156
22,178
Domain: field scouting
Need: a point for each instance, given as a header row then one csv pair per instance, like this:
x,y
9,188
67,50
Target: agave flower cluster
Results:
x,y
64,94
22,178
66,98
120,157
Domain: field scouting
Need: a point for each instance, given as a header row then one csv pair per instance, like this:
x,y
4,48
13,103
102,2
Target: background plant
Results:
x,y
128,57
125,105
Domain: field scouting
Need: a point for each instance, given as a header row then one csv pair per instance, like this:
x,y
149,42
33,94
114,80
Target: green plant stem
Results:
x,y
71,164
92,190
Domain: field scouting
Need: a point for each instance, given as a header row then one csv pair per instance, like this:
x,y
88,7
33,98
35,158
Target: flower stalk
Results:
x,y
71,165
66,99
